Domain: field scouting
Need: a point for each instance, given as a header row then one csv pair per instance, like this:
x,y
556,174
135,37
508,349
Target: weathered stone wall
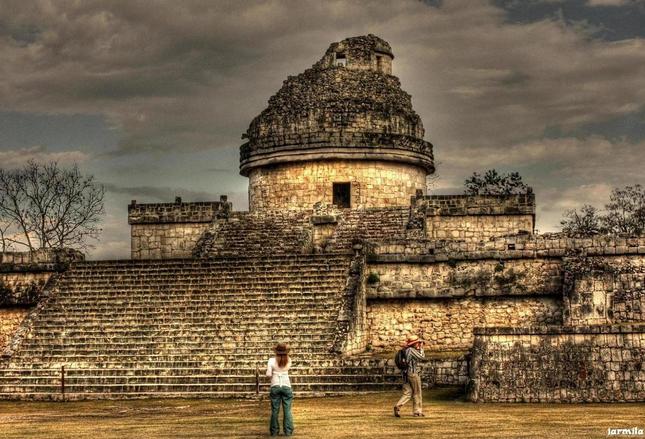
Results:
x,y
352,331
476,228
165,241
475,218
509,247
487,277
301,185
10,319
448,324
23,278
355,111
171,230
22,288
604,290
37,259
558,364
23,275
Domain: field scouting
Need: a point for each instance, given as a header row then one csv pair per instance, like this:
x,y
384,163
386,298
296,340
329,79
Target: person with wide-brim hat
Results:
x,y
280,393
412,354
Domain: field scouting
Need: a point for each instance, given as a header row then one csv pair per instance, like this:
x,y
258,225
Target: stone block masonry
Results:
x,y
171,230
604,290
23,279
475,218
449,324
558,364
10,320
488,277
301,185
23,275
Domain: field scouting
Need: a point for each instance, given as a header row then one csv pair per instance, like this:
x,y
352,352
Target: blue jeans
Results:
x,y
281,396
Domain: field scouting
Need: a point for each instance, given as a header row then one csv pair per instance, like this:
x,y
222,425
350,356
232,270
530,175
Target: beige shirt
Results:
x,y
279,375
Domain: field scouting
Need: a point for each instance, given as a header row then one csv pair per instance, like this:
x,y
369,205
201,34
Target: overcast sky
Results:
x,y
152,97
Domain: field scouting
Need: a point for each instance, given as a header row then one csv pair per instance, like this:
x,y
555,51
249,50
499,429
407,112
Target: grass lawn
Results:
x,y
363,416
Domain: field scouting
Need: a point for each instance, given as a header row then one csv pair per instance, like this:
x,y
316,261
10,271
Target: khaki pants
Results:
x,y
412,390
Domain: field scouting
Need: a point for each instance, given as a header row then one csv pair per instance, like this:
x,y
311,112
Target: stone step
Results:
x,y
155,348
167,395
91,380
269,320
141,357
240,306
245,343
221,370
185,327
170,326
187,387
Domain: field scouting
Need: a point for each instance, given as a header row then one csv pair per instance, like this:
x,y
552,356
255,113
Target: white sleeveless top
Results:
x,y
279,375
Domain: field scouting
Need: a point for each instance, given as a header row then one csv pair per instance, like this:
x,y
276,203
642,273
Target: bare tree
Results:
x,y
46,206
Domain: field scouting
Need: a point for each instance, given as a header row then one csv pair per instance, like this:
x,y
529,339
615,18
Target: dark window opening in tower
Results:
x,y
340,60
379,63
342,195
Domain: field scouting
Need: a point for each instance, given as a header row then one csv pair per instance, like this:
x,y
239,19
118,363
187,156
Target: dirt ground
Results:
x,y
363,416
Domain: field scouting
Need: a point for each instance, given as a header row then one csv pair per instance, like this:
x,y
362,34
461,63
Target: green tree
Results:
x,y
494,183
625,212
624,215
585,222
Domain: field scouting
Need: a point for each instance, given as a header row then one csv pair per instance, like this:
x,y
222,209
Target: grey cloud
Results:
x,y
187,76
13,158
192,75
160,194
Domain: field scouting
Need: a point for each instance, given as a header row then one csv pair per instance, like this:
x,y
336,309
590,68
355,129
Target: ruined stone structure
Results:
x,y
342,254
342,132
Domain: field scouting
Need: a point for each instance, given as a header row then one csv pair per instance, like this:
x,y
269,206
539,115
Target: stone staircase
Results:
x,y
246,234
186,328
372,224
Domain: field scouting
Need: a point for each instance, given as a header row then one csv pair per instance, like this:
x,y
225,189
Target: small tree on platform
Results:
x,y
494,183
46,206
586,222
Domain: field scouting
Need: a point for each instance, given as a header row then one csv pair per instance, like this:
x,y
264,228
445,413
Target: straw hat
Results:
x,y
281,349
413,339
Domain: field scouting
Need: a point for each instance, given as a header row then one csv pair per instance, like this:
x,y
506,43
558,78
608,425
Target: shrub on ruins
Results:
x,y
43,205
624,215
586,222
373,278
494,183
625,211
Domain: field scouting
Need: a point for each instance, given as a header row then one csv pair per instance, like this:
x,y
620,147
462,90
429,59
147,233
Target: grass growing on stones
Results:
x,y
362,416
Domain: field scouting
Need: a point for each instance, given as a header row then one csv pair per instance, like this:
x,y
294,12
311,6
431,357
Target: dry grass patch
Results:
x,y
362,416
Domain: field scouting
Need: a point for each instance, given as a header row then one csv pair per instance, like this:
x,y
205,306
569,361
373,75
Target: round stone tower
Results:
x,y
342,132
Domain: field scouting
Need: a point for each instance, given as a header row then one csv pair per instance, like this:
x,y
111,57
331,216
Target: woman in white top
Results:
x,y
281,393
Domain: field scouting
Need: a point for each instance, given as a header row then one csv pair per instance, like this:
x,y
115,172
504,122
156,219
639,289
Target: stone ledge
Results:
x,y
464,205
507,247
557,330
178,212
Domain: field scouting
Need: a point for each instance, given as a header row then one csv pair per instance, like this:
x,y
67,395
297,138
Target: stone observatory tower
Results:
x,y
342,132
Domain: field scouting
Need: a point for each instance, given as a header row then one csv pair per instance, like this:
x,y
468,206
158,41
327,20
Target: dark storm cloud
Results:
x,y
607,19
193,74
545,92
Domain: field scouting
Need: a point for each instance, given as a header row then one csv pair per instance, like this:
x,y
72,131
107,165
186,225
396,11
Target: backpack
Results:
x,y
401,360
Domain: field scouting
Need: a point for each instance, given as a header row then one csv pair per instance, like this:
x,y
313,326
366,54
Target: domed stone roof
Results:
x,y
346,106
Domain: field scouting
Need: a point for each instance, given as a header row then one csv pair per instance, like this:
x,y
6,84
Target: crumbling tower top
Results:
x,y
347,106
